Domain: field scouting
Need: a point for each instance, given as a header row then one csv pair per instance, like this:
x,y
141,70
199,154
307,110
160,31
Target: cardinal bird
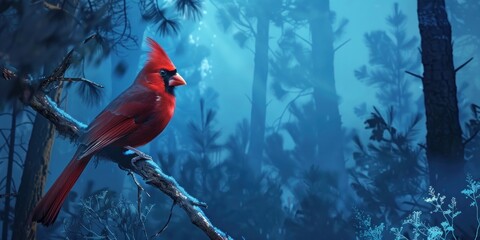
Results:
x,y
133,119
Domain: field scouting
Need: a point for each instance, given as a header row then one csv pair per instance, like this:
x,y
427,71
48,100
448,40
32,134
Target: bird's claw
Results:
x,y
140,155
138,158
134,160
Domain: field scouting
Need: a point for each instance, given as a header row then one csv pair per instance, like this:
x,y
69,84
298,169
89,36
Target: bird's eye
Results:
x,y
163,73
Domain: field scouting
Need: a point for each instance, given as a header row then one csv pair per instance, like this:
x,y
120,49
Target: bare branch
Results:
x,y
473,136
166,224
82,80
341,45
140,189
422,146
289,104
4,136
463,65
414,74
89,38
59,72
303,39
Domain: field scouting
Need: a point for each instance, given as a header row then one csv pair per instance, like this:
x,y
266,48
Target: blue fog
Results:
x,y
300,186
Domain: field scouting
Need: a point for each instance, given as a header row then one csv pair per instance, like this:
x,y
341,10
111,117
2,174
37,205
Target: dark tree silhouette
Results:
x,y
306,66
14,147
252,19
445,150
8,179
391,53
316,216
34,175
259,88
330,136
390,152
232,189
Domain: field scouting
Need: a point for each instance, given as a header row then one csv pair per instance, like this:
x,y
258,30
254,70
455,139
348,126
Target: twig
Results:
x,y
473,136
140,189
137,183
463,65
341,45
4,135
125,22
166,224
58,74
82,80
95,214
89,38
299,95
414,74
29,112
248,98
303,39
423,146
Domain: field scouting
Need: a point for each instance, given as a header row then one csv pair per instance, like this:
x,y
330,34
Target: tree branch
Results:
x,y
414,74
148,169
304,39
341,45
166,224
82,80
473,136
140,189
59,73
463,65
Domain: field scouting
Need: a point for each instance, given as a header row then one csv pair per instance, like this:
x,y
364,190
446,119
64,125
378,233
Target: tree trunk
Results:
x,y
259,93
445,152
327,116
34,174
8,180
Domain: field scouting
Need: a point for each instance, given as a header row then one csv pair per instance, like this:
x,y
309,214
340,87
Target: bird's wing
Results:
x,y
119,119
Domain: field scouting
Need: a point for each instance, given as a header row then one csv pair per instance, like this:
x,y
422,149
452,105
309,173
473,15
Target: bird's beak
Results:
x,y
176,80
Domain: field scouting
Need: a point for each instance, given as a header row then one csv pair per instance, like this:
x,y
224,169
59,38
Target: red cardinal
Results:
x,y
133,119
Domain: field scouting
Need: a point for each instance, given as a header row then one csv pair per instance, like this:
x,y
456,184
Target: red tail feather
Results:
x,y
48,208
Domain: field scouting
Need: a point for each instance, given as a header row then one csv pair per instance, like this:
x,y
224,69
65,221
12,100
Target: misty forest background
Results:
x,y
302,119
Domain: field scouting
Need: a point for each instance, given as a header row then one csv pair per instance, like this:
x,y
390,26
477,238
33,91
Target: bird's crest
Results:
x,y
158,58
